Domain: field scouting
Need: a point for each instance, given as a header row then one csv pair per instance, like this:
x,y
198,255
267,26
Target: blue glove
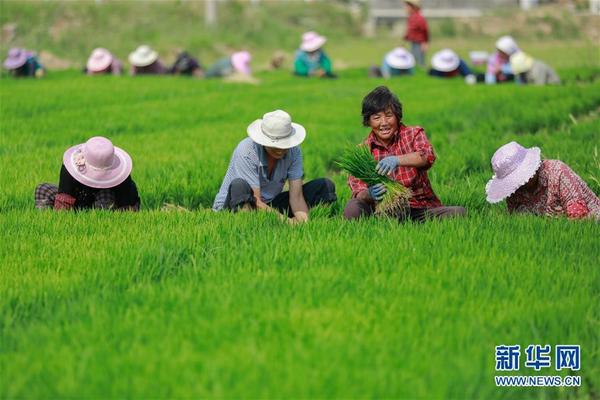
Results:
x,y
387,165
377,191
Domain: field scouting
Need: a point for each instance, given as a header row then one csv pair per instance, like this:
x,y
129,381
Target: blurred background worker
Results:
x,y
185,64
528,70
498,68
417,31
397,62
310,58
145,61
101,62
447,64
23,63
236,64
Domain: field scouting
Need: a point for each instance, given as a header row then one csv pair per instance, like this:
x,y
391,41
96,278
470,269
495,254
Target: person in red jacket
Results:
x,y
417,31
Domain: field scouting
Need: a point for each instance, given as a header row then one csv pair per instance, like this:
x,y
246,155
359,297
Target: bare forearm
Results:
x,y
415,160
299,209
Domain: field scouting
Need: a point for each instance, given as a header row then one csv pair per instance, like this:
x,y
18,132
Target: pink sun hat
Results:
x,y
241,62
99,60
513,166
312,41
17,57
97,163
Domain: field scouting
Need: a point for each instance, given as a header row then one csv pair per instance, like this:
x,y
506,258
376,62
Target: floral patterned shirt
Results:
x,y
560,191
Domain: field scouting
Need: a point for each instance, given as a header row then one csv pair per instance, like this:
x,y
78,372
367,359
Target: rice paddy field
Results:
x,y
174,304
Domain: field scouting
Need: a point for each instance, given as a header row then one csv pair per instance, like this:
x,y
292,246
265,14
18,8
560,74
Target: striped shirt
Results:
x,y
249,162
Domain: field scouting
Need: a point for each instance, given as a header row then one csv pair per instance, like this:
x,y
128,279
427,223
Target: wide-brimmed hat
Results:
x,y
513,166
143,56
97,163
445,60
276,129
400,58
520,62
17,57
507,45
99,60
416,3
312,41
241,62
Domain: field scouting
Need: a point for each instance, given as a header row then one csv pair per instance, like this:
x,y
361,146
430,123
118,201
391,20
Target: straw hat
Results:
x,y
312,41
416,3
520,62
143,56
276,129
400,58
445,60
241,62
507,45
97,163
17,57
513,166
99,60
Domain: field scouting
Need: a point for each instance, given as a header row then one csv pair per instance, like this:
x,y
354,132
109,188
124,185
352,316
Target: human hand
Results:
x,y
377,191
387,165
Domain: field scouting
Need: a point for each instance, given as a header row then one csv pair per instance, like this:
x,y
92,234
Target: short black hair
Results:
x,y
380,99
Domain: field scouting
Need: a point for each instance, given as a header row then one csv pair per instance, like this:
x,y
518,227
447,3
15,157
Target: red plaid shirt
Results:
x,y
417,30
409,139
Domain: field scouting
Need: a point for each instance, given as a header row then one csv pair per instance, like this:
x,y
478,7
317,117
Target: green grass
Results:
x,y
203,304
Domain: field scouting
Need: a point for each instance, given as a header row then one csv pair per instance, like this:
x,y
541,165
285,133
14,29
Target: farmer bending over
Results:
x,y
261,164
94,174
404,154
541,187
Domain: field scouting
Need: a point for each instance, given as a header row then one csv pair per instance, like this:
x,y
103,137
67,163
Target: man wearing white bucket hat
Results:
x,y
101,62
498,67
542,187
263,162
531,71
447,64
94,174
145,61
310,59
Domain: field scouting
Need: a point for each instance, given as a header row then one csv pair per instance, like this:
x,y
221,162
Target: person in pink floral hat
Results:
x,y
541,187
102,62
94,174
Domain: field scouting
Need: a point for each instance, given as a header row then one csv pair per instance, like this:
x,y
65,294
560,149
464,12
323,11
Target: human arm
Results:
x,y
300,67
325,64
571,195
297,202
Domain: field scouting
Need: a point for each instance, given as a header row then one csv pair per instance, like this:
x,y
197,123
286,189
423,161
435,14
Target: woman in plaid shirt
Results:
x,y
404,154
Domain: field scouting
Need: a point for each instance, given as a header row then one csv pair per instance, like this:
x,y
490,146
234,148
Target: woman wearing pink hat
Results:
x,y
542,187
310,58
102,62
237,63
498,67
23,63
94,174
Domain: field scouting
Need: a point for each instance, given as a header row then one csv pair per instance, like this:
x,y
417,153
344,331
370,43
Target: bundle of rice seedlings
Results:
x,y
359,162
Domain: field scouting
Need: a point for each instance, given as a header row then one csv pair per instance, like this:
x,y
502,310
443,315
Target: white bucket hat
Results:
x,y
143,56
520,62
513,166
445,60
507,45
312,41
276,129
400,58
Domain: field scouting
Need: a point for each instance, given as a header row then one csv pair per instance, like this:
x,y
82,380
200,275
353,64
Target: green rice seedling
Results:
x,y
359,162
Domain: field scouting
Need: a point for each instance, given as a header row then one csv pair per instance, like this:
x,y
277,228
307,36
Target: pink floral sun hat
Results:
x,y
16,58
99,60
241,62
97,163
513,166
